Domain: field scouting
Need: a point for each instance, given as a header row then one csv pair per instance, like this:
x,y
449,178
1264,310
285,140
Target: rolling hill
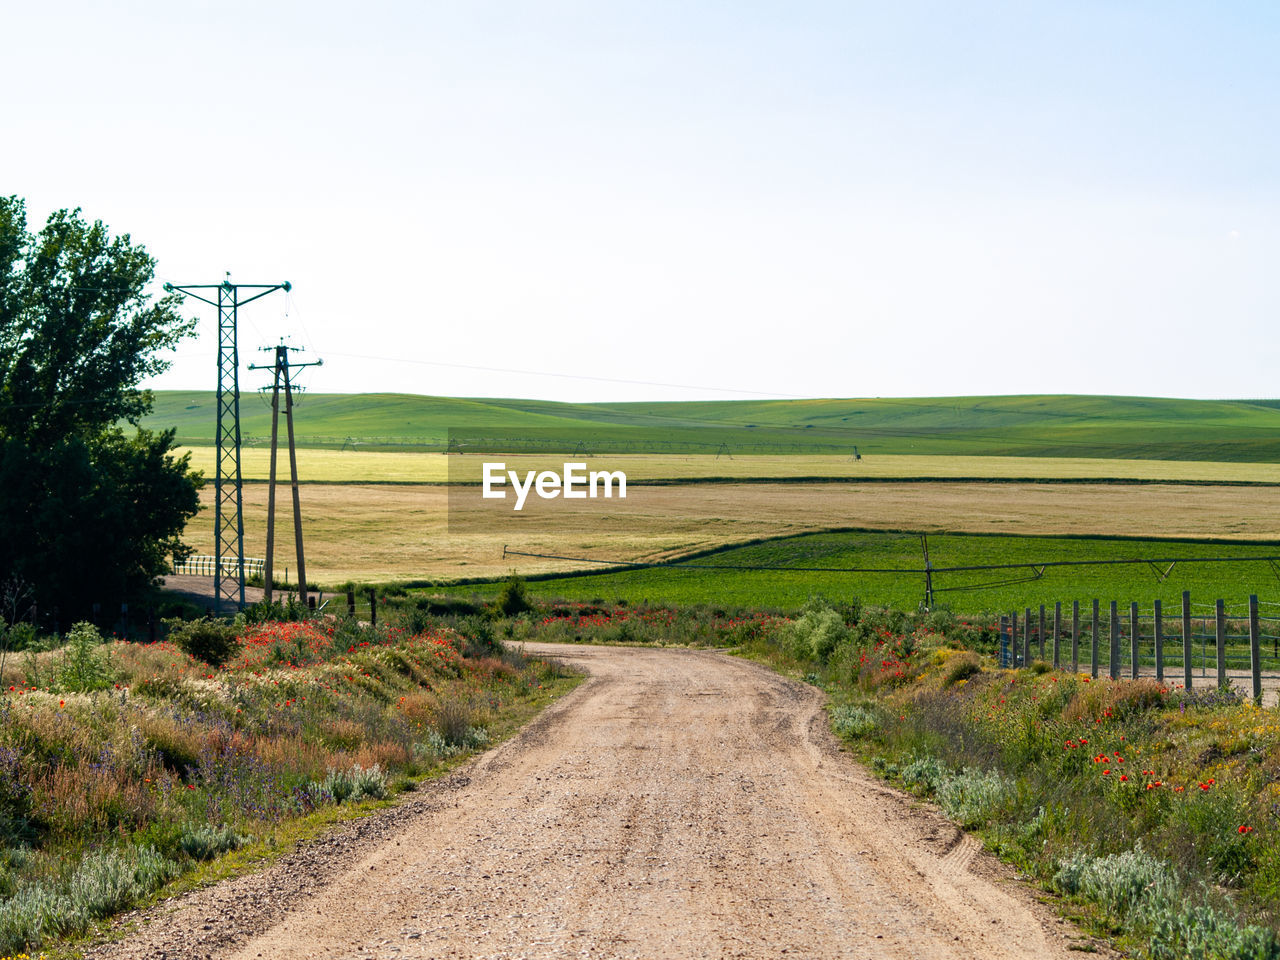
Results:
x,y
1042,426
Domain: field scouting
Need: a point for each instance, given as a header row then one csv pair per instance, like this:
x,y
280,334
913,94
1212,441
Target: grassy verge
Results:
x,y
126,769
1149,809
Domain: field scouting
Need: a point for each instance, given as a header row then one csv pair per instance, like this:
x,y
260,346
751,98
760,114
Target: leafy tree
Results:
x,y
89,511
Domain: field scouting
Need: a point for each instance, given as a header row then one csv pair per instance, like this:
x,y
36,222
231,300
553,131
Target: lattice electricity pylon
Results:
x,y
228,498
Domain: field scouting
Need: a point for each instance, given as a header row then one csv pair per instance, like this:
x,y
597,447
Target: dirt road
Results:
x,y
677,804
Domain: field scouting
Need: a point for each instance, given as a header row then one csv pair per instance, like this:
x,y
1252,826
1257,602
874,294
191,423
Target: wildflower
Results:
x,y
1124,776
1106,772
1244,830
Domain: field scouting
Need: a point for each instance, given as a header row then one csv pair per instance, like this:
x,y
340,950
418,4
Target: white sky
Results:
x,y
799,198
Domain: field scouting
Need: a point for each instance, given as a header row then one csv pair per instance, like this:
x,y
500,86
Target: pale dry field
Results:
x,y
385,532
351,466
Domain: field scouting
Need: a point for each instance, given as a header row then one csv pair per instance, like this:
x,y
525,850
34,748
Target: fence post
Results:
x,y
1093,659
1220,615
1075,636
1158,631
1114,660
1255,654
1057,634
1013,639
1004,641
1026,639
1186,639
1136,629
1041,637
351,603
373,608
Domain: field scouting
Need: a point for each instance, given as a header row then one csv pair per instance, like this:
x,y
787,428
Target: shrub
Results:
x,y
1120,882
20,636
940,620
453,722
213,641
103,883
478,638
971,797
204,842
817,632
853,721
108,881
923,774
1203,933
512,599
961,667
83,667
355,784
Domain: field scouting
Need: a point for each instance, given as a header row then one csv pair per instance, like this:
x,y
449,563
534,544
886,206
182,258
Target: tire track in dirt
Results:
x,y
678,804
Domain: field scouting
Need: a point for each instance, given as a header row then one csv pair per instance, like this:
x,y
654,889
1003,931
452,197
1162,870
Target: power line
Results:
x,y
566,376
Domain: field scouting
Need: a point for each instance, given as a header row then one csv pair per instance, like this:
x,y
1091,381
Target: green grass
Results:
x,y
1041,426
788,589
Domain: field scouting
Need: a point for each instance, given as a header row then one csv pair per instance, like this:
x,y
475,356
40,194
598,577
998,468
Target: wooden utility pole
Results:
x,y
282,369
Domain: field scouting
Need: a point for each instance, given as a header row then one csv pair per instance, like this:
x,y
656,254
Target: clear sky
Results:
x,y
799,198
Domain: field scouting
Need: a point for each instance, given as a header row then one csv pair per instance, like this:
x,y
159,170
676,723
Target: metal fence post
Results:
x,y
1255,653
1220,615
1158,631
1186,639
1013,639
1041,636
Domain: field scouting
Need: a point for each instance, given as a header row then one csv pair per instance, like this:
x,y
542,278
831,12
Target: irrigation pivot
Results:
x,y
228,498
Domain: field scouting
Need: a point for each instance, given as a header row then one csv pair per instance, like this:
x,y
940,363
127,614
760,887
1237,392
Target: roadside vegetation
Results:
x,y
124,765
1148,809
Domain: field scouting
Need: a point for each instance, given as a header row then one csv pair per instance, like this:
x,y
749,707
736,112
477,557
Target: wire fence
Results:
x,y
1198,644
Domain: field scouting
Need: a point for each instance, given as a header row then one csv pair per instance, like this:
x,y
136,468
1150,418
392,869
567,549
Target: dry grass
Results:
x,y
371,532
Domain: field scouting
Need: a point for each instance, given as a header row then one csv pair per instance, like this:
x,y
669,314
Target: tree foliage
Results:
x,y
89,511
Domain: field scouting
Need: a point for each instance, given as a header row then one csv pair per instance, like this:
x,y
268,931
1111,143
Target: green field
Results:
x,y
789,588
1027,426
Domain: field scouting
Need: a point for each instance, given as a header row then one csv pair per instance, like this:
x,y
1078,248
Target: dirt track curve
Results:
x,y
678,804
